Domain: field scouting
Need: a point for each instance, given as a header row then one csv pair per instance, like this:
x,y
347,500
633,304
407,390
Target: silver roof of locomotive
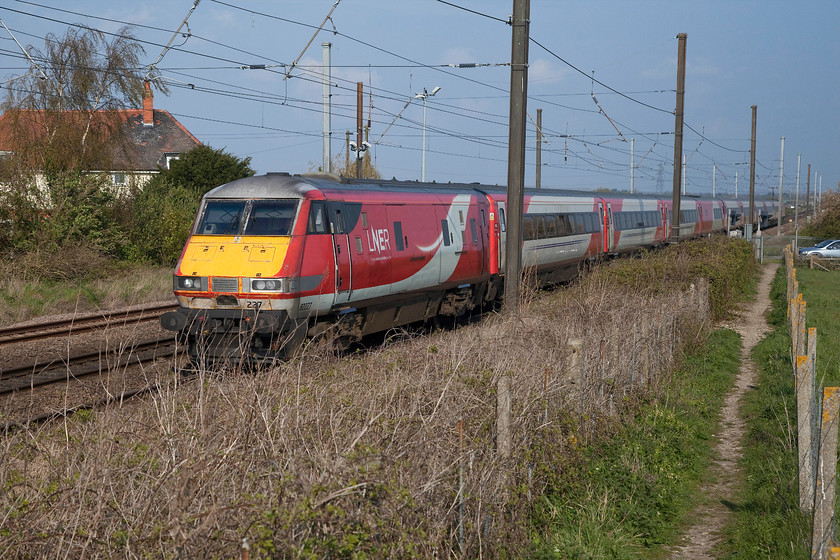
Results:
x,y
271,185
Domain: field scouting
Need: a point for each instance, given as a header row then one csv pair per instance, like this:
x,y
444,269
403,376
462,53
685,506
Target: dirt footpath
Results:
x,y
712,515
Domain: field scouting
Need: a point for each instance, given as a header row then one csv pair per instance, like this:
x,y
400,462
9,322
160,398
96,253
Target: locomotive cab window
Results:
x,y
243,217
271,217
317,220
221,217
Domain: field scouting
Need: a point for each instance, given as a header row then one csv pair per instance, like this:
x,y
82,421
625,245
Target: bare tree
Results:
x,y
70,119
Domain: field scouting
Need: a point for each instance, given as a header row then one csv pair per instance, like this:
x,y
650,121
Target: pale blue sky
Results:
x,y
781,56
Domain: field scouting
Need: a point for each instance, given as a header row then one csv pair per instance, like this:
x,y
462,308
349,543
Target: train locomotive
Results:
x,y
274,259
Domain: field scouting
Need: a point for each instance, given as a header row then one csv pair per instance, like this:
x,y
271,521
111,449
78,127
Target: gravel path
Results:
x,y
712,515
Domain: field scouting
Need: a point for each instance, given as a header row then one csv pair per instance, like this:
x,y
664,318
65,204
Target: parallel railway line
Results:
x,y
23,378
80,323
45,373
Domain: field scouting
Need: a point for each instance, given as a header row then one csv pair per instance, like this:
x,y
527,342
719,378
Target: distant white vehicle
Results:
x,y
827,248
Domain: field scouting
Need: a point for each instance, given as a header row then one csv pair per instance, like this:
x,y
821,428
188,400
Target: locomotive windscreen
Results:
x,y
271,217
242,217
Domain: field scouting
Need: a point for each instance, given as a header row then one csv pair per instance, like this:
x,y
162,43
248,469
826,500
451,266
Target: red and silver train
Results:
x,y
276,258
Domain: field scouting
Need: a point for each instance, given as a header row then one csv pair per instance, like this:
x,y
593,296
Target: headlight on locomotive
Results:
x,y
276,285
271,285
191,283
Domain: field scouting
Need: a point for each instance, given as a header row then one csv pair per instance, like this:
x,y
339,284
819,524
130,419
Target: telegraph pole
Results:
x,y
748,227
327,155
359,132
714,179
347,160
796,207
781,200
632,164
819,200
808,190
678,137
814,211
516,150
539,148
796,203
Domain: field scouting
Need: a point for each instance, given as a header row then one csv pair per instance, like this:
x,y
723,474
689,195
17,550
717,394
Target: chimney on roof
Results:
x,y
148,105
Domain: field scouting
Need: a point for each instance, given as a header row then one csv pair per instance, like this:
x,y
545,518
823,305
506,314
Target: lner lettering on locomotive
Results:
x,y
379,240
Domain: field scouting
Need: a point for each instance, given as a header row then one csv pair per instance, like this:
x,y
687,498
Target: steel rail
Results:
x,y
80,323
38,375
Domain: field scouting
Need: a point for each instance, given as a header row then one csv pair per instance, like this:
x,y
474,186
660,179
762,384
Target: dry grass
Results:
x,y
23,296
355,457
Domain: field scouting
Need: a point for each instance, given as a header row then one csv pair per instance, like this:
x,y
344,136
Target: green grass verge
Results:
x,y
819,289
628,495
768,521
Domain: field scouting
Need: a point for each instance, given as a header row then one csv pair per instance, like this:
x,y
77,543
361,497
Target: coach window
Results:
x,y
444,228
364,220
589,222
562,225
398,236
528,228
550,225
473,231
317,223
539,227
502,217
580,226
359,245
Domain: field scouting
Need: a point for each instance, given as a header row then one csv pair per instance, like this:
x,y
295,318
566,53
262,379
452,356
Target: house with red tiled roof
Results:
x,y
149,138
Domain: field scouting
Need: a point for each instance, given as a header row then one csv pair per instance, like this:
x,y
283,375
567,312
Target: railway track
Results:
x,y
81,323
38,419
93,363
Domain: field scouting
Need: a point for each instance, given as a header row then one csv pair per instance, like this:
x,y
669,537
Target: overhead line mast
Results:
x,y
678,138
516,150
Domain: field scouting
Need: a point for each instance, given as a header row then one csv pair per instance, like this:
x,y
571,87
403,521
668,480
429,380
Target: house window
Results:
x,y
119,179
171,156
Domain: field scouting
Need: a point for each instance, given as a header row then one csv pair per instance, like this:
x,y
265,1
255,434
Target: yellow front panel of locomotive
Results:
x,y
234,256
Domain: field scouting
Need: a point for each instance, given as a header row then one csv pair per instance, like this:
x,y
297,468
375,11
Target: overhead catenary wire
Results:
x,y
169,44
391,96
24,51
292,66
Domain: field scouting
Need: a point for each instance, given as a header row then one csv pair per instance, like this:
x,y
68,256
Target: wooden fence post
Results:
x,y
503,416
800,335
814,405
804,398
576,368
826,475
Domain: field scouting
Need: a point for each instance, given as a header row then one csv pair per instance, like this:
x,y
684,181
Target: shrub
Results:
x,y
827,222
